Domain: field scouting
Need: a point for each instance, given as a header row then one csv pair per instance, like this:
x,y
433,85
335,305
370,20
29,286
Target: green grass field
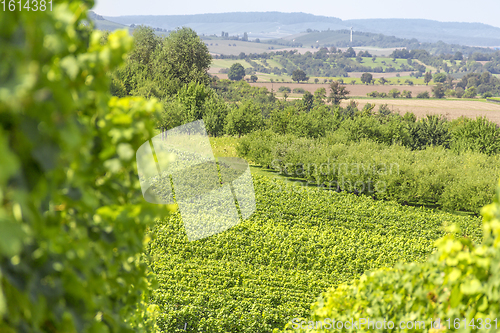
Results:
x,y
274,63
382,62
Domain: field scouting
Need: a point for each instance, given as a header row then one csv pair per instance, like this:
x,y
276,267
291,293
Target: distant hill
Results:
x,y
278,25
102,24
472,34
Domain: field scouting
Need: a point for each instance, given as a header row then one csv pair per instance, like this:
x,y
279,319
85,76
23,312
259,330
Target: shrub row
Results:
x,y
433,176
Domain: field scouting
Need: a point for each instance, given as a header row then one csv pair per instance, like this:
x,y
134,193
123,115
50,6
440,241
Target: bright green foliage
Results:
x,y
195,101
338,93
439,77
267,270
471,92
432,130
406,93
183,58
72,218
433,176
394,93
314,123
243,119
161,67
460,280
478,135
320,96
145,44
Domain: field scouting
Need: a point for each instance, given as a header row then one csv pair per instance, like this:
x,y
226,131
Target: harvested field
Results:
x,y
451,109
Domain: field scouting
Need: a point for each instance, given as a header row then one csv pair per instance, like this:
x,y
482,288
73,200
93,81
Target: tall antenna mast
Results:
x,y
351,34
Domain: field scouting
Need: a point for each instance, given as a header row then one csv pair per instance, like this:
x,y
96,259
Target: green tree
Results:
x,y
253,78
438,90
320,96
406,93
236,72
308,100
427,78
215,111
394,93
350,53
243,119
458,56
299,75
366,78
145,44
439,77
471,92
183,58
382,81
424,94
338,92
73,220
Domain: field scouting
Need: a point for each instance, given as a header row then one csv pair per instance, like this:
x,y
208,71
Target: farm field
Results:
x,y
451,109
298,243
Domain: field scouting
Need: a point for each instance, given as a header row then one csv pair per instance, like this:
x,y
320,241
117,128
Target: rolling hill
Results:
x,y
278,25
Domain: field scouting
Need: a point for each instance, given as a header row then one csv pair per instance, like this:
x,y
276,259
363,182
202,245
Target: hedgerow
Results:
x,y
434,176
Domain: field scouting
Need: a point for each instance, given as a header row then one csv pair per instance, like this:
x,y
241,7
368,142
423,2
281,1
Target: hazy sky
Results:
x,y
484,11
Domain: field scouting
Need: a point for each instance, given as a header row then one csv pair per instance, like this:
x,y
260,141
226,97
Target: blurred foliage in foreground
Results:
x,y
72,218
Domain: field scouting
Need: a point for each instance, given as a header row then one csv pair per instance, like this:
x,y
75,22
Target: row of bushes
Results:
x,y
394,93
351,125
432,176
286,89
